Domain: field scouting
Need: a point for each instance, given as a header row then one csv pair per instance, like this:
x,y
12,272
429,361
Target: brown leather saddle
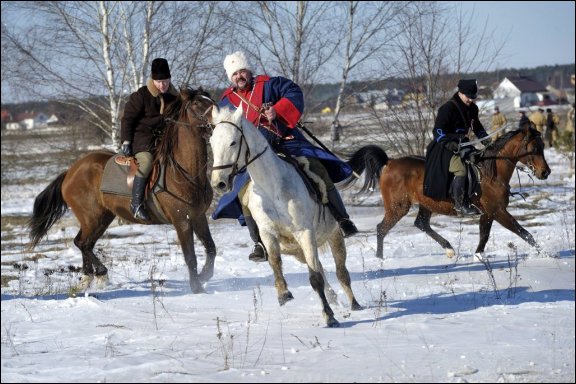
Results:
x,y
119,175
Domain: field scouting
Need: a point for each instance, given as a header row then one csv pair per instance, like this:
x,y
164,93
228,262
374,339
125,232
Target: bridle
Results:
x,y
198,116
206,135
247,161
524,145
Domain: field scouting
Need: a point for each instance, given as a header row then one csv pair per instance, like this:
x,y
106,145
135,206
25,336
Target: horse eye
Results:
x,y
233,144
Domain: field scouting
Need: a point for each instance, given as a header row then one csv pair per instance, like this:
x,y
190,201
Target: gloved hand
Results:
x,y
451,146
467,153
126,148
487,141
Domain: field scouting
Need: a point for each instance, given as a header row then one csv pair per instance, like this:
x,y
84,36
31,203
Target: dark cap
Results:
x,y
469,88
160,69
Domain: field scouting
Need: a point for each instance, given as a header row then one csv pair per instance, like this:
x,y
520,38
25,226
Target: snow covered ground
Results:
x,y
427,318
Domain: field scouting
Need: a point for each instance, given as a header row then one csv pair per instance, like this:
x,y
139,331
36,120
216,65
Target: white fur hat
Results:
x,y
234,62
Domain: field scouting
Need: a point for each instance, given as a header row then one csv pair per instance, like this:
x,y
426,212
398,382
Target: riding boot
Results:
x,y
259,253
337,208
458,192
137,204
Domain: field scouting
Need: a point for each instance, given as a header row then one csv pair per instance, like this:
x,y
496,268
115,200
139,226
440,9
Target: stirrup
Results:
x,y
139,212
258,254
348,228
467,211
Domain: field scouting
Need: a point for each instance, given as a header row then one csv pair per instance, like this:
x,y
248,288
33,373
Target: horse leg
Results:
x,y
317,283
485,227
275,261
203,233
186,237
338,247
390,219
328,290
90,231
307,241
422,222
507,221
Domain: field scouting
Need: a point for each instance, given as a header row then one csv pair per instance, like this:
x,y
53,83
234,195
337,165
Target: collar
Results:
x,y
155,92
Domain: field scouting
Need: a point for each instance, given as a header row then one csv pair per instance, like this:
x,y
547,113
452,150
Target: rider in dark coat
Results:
x,y
444,156
142,125
274,105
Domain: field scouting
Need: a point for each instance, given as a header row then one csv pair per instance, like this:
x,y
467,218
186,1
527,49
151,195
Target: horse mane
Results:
x,y
490,154
175,114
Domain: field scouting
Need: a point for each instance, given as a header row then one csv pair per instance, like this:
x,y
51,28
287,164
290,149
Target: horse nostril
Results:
x,y
221,185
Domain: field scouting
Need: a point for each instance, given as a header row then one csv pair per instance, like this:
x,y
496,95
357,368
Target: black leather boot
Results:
x,y
137,204
458,192
259,253
337,208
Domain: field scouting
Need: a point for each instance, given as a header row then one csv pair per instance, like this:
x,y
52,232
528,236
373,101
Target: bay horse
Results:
x,y
401,184
184,201
289,219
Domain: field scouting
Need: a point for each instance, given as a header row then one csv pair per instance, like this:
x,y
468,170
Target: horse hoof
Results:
x,y
332,323
285,297
449,252
84,283
356,306
379,256
101,270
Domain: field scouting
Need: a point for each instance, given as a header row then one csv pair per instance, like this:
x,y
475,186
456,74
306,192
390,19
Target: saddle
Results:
x,y
118,179
473,179
315,185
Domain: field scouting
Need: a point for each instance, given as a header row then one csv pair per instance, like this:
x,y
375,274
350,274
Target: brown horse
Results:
x,y
401,185
186,196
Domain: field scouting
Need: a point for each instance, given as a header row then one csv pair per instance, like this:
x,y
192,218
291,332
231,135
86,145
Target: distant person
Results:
x,y
444,156
539,120
498,121
552,121
142,124
570,123
523,119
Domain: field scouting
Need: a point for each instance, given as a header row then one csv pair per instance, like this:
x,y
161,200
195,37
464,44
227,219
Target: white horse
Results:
x,y
290,221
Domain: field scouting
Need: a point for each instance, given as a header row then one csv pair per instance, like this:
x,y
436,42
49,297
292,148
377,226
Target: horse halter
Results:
x,y
247,160
524,145
202,117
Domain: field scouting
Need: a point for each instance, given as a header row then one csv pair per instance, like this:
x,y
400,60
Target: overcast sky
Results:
x,y
536,32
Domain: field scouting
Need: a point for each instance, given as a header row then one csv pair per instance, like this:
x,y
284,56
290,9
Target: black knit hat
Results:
x,y
469,88
160,69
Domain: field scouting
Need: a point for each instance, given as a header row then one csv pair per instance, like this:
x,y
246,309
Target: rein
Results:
x,y
517,156
176,167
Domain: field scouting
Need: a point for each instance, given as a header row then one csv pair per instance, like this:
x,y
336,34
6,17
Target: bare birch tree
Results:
x,y
94,54
369,28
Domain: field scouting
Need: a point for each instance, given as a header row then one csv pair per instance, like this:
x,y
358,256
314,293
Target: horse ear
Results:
x,y
238,113
215,111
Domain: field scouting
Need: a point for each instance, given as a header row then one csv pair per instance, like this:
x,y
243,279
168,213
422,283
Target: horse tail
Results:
x,y
371,159
49,207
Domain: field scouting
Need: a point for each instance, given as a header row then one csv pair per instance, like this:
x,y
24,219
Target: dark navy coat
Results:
x,y
453,122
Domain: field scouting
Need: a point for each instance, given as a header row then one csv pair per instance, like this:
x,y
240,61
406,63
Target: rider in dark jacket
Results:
x,y
444,154
142,125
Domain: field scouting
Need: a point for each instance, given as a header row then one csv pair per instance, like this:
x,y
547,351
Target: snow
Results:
x,y
427,318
